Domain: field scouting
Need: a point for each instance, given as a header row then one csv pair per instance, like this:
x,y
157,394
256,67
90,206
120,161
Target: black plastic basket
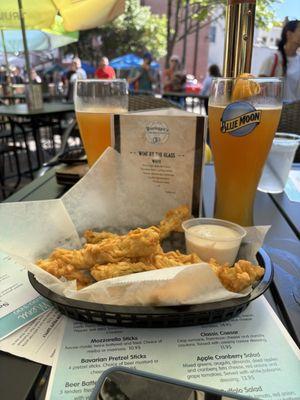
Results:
x,y
157,317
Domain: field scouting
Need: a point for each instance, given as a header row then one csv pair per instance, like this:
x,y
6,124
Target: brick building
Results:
x,y
196,55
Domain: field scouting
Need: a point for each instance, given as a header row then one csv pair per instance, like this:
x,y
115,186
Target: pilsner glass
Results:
x,y
96,101
243,117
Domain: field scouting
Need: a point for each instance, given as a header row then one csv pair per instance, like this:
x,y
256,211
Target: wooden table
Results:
x,y
281,243
49,110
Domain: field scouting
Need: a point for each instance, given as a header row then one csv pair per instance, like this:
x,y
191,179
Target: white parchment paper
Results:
x,y
111,195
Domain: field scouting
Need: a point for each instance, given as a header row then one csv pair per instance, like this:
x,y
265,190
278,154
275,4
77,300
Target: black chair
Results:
x,y
13,142
290,122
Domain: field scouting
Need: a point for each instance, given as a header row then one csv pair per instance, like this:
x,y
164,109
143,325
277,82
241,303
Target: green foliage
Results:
x,y
136,31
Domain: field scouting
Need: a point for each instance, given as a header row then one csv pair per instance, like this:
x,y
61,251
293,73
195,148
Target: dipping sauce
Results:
x,y
214,241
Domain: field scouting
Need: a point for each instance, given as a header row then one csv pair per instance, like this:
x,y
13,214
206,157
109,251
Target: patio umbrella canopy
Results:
x,y
129,61
40,14
38,40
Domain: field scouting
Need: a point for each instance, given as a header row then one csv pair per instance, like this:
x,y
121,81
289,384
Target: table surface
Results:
x,y
281,243
19,110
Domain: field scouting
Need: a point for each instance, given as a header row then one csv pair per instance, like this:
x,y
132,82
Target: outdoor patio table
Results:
x,y
20,378
49,110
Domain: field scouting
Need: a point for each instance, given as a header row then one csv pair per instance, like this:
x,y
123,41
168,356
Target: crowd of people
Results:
x,y
146,78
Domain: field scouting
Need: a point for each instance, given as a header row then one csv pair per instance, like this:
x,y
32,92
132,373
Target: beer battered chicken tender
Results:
x,y
239,277
137,243
171,223
173,220
156,261
108,255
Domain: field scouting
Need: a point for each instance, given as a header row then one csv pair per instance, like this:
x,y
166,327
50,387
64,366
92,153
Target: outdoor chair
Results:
x,y
290,122
13,142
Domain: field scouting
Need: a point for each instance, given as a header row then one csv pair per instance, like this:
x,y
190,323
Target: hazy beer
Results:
x,y
239,159
95,132
95,103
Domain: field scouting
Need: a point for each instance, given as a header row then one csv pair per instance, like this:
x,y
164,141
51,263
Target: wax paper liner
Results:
x,y
115,195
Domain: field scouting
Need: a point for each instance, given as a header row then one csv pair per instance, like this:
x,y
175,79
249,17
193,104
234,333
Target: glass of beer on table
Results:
x,y
96,101
243,115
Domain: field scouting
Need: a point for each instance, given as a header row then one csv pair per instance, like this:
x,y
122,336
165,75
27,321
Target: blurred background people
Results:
x,y
75,72
78,71
35,78
174,77
105,71
143,78
286,61
213,72
16,76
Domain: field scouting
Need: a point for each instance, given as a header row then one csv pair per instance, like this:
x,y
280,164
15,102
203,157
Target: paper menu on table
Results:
x,y
248,354
37,341
19,302
168,147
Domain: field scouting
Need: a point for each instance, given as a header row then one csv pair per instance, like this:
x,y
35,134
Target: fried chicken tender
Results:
x,y
137,243
173,220
156,261
171,223
239,277
101,272
59,269
97,237
171,259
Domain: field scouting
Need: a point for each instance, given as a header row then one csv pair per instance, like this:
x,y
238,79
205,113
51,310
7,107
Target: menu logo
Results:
x,y
157,132
240,118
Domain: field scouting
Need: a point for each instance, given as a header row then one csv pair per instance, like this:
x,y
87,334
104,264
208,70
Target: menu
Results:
x,y
37,340
19,302
248,355
167,146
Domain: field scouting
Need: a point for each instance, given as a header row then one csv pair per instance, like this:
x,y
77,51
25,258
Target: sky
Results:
x,y
288,8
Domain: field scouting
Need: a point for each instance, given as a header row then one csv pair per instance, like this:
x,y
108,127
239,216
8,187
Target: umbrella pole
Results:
x,y
26,53
6,58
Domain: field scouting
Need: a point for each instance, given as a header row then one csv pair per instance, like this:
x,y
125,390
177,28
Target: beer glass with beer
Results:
x,y
96,101
243,117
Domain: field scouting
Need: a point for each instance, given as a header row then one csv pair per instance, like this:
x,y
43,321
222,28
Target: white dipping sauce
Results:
x,y
213,241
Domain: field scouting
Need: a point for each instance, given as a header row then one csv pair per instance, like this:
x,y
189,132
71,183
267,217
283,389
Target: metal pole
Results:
x,y
26,53
6,58
187,6
196,48
240,17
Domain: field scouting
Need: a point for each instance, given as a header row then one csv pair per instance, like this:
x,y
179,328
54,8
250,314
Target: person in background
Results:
x,y
143,78
105,71
173,76
286,61
35,78
79,72
16,77
75,72
213,72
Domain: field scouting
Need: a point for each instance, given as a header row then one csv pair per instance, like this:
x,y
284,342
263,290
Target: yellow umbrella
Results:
x,y
77,15
41,14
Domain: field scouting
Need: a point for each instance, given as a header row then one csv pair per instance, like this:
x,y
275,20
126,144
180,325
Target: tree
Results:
x,y
196,14
136,31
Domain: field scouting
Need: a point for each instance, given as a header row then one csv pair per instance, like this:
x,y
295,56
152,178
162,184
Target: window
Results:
x,y
212,34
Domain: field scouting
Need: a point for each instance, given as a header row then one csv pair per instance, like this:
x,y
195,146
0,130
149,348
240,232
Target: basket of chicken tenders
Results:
x,y
123,252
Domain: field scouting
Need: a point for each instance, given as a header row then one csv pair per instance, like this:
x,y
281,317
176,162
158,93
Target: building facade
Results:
x,y
196,49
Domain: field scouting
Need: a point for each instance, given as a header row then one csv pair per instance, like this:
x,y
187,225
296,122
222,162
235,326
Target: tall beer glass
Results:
x,y
243,117
95,103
